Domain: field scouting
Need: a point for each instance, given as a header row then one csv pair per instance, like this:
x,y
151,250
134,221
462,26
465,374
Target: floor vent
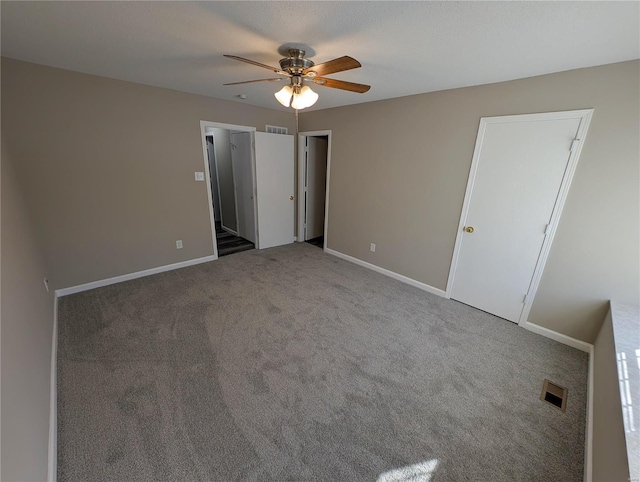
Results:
x,y
554,394
276,130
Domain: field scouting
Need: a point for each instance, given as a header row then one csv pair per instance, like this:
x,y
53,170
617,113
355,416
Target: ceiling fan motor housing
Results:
x,y
295,63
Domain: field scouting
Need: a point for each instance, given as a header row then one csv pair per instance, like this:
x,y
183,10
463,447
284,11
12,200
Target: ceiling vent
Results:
x,y
554,394
276,130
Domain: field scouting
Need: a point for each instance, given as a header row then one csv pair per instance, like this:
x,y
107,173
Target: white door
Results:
x,y
315,186
213,179
274,182
226,183
520,166
243,178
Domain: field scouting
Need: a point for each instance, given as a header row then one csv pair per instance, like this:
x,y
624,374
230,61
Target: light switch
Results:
x,y
199,176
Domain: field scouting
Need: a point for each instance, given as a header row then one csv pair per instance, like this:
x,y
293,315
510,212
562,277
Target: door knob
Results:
x,y
469,229
290,198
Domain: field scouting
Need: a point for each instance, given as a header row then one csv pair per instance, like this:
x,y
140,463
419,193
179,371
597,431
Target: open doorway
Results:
x,y
313,180
229,154
257,203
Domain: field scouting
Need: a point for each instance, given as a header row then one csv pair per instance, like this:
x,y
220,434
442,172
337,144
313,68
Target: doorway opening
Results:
x,y
314,154
229,156
257,204
231,187
231,178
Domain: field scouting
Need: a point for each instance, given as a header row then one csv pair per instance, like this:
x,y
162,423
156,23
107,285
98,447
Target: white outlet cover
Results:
x,y
373,247
199,176
179,244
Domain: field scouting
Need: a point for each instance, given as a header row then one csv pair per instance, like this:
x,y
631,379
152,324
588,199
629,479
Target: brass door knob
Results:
x,y
290,198
469,229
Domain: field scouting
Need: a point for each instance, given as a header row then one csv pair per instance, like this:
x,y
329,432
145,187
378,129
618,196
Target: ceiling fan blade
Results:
x,y
258,64
273,79
332,66
341,84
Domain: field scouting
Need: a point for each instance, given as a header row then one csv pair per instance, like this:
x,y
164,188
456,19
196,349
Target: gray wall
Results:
x,y
27,327
399,170
610,462
107,167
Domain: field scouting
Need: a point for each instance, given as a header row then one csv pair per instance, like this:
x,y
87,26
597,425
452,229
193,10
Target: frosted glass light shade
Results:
x,y
284,95
306,98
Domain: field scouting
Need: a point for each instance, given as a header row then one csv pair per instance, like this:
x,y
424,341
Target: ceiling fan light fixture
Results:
x,y
284,95
299,69
303,99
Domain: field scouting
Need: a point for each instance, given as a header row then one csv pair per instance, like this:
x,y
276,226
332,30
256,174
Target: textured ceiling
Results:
x,y
405,47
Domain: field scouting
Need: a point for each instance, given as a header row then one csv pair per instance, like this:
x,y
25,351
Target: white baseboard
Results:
x,y
554,335
53,399
138,274
386,272
588,445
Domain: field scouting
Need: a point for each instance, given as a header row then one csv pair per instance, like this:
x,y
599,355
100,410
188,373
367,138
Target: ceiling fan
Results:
x,y
300,70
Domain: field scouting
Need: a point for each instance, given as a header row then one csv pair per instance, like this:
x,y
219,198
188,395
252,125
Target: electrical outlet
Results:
x,y
46,284
199,176
373,247
179,244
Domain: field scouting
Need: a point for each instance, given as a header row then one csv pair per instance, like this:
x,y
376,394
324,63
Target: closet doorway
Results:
x,y
314,153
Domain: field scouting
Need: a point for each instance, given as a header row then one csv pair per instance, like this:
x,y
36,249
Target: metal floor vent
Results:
x,y
554,394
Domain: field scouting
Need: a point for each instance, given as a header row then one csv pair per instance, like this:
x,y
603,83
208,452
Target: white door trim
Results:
x,y
203,135
585,118
300,193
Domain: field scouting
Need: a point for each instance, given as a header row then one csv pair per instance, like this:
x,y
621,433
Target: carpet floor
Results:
x,y
289,364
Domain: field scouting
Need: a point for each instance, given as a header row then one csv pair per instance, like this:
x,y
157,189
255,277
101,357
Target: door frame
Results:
x,y
585,116
234,168
203,136
301,146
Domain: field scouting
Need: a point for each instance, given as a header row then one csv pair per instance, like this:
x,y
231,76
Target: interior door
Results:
x,y
315,186
213,179
226,182
275,189
520,169
243,177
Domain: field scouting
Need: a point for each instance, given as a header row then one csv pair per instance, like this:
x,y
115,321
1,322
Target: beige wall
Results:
x,y
399,170
27,327
107,167
610,463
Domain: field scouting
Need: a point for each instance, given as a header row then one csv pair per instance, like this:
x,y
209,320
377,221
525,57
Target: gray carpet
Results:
x,y
291,364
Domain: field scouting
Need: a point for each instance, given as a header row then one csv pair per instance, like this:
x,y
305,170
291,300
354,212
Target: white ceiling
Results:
x,y
405,47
